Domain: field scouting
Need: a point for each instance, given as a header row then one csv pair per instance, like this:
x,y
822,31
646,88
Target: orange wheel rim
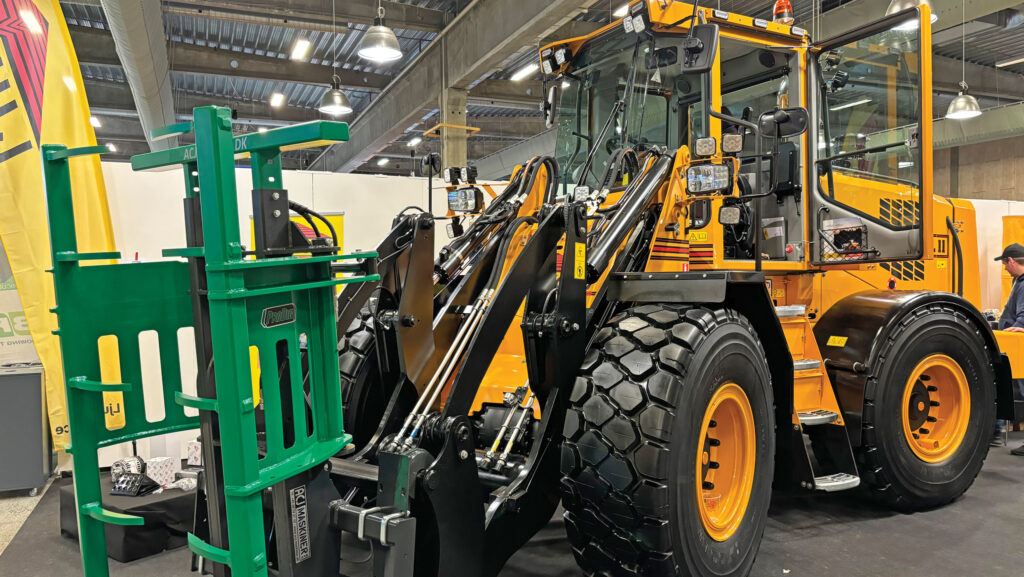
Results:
x,y
725,461
936,408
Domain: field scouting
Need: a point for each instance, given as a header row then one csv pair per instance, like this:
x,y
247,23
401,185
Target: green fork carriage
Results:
x,y
282,306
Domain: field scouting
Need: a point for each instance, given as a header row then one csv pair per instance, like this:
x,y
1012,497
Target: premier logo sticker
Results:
x,y
277,316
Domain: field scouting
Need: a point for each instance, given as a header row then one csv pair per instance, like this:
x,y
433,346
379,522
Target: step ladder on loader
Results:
x,y
233,303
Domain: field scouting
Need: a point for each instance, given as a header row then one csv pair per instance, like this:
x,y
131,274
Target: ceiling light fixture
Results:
x,y
850,104
31,22
111,147
379,42
416,140
261,129
300,49
335,102
383,162
897,6
276,99
565,84
95,122
1006,63
525,72
964,106
622,11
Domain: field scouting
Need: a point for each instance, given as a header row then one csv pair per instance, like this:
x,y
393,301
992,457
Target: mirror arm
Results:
x,y
871,150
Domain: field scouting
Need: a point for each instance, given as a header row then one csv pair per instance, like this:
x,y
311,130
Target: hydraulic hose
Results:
x,y
635,199
959,256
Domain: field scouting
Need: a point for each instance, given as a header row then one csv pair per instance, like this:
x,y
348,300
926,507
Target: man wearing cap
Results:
x,y
1012,319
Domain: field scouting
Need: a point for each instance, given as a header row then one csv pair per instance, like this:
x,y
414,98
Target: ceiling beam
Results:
x,y
473,45
317,12
573,29
115,98
255,19
506,93
399,15
94,46
858,13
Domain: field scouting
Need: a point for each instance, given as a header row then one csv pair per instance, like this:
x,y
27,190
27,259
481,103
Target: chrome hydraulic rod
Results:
x,y
448,365
514,436
460,338
501,433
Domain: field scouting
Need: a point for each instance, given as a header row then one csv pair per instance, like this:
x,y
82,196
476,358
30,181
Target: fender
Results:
x,y
850,335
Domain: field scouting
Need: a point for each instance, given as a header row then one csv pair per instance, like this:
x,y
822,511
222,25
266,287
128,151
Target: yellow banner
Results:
x,y
42,101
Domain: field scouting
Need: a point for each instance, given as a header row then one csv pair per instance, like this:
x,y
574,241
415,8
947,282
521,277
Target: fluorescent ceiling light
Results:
x,y
111,147
416,140
565,84
277,99
850,104
906,164
383,162
261,129
31,22
300,49
622,11
525,72
1006,63
95,122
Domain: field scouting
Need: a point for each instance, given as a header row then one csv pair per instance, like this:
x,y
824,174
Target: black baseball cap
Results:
x,y
1015,250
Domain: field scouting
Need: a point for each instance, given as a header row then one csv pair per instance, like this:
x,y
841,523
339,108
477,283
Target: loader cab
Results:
x,y
620,95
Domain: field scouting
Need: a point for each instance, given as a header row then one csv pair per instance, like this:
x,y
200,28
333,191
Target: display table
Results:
x,y
168,518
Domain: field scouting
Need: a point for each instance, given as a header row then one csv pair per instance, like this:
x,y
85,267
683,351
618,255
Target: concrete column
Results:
x,y
453,140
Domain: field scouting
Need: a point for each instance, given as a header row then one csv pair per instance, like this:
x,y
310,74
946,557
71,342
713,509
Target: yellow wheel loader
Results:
x,y
731,275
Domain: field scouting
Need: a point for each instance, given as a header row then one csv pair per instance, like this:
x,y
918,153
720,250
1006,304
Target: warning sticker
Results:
x,y
837,341
580,271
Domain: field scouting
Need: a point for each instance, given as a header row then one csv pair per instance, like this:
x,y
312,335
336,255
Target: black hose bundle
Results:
x,y
308,215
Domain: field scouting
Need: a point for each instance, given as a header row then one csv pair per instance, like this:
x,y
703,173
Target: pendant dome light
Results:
x,y
897,6
964,106
379,42
335,102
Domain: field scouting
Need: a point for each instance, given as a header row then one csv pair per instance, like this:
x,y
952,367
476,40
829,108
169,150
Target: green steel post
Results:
x,y
81,404
219,201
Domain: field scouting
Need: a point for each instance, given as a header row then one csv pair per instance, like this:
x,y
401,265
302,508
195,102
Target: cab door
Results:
x,y
871,180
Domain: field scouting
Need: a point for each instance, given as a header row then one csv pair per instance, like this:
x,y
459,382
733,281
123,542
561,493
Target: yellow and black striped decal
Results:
x,y
905,270
670,249
702,253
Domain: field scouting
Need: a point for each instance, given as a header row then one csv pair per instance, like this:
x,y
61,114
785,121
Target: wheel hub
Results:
x,y
936,408
725,461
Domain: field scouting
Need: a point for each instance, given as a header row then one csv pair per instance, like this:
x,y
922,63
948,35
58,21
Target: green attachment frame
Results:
x,y
272,305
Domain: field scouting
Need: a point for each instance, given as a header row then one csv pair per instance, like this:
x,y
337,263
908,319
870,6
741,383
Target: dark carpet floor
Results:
x,y
837,535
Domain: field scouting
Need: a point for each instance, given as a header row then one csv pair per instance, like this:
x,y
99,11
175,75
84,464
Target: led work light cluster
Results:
x,y
553,59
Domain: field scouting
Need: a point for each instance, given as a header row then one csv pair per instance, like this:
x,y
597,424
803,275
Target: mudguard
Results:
x,y
850,334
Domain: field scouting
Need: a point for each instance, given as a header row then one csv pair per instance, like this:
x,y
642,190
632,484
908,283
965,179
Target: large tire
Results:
x,y
633,435
363,397
892,469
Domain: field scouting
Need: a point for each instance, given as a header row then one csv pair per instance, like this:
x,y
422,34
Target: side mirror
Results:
x,y
464,200
783,123
699,48
549,108
662,57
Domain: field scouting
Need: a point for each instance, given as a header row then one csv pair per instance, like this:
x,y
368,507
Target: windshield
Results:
x,y
663,107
